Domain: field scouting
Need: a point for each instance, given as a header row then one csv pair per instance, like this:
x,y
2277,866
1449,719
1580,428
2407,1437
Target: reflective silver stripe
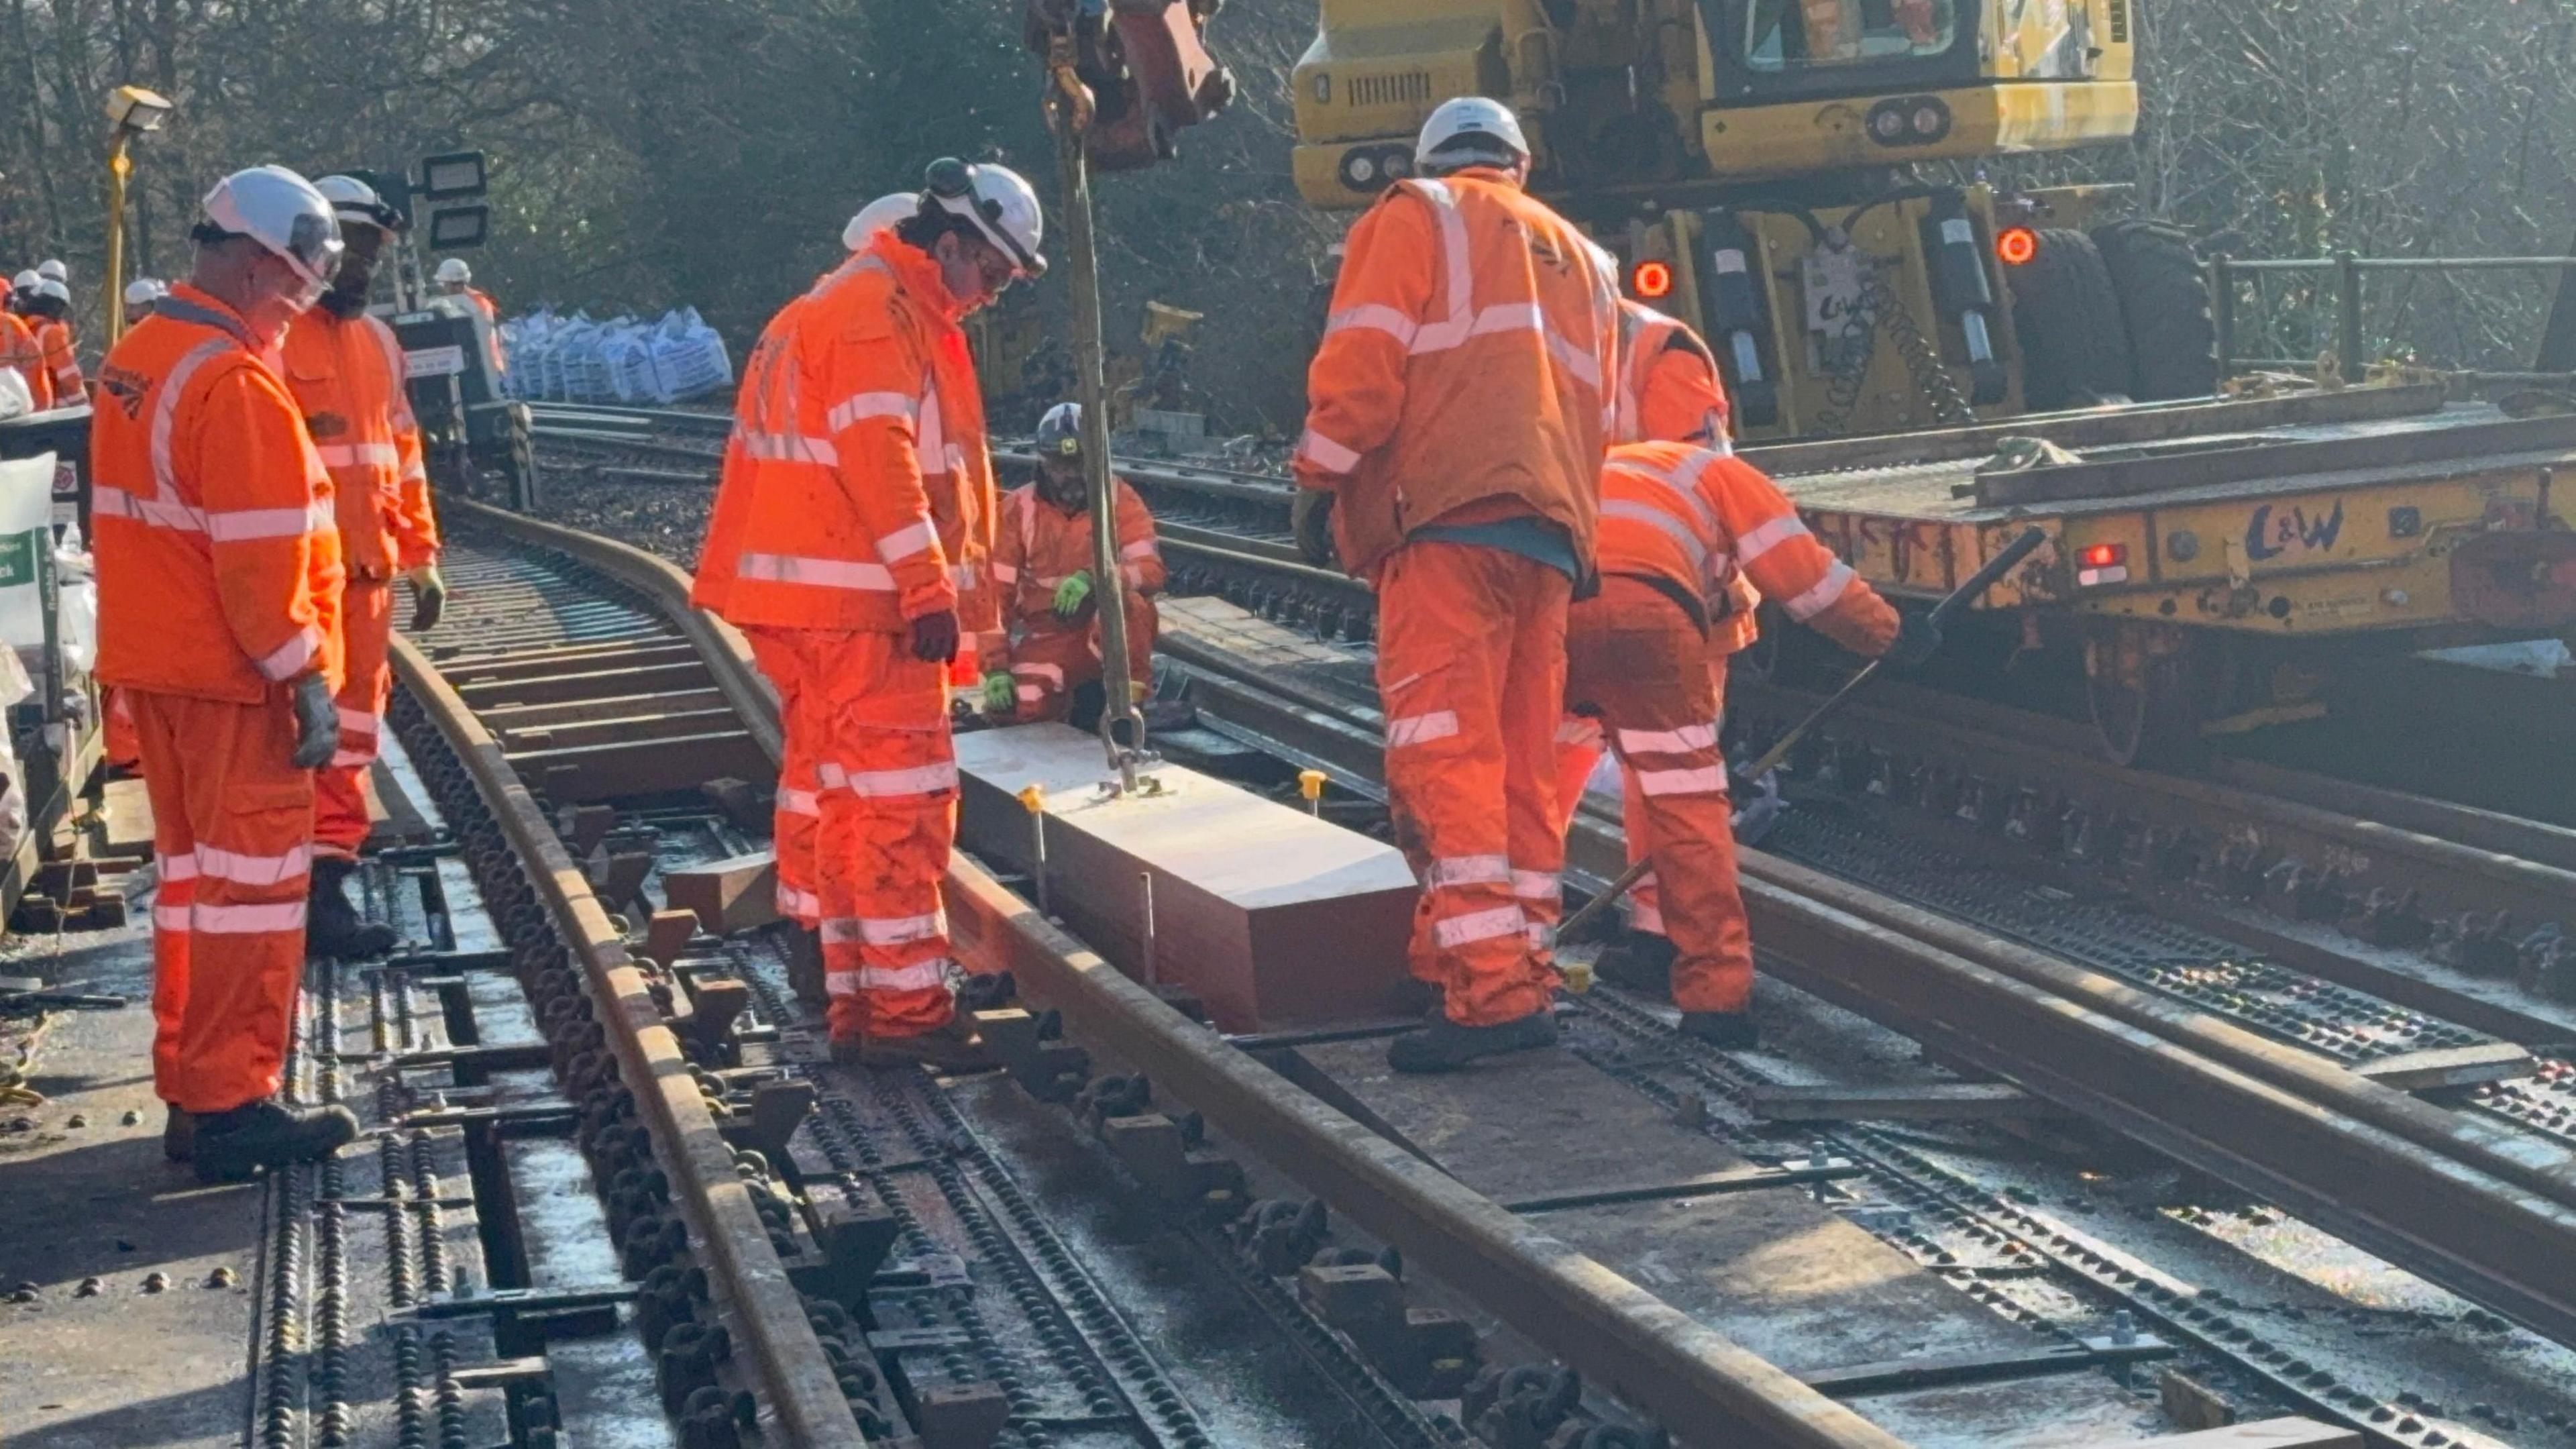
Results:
x,y
1134,574
820,573
1028,693
255,920
1372,317
1141,548
1326,454
1755,542
931,440
1456,275
1681,481
1420,729
841,983
1823,596
904,542
399,371
165,413
170,918
246,525
1051,673
1649,514
851,409
920,976
789,448
1477,926
885,931
1458,870
358,721
798,802
1537,885
1645,915
176,867
288,659
1004,573
796,904
352,759
1669,742
351,455
892,784
107,502
1578,730
1708,780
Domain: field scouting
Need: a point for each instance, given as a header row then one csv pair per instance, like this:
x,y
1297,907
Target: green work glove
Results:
x,y
1001,693
1072,594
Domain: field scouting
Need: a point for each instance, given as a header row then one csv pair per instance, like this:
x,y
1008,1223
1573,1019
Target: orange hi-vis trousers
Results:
x,y
340,821
875,722
1053,659
232,828
1640,668
1580,743
798,817
1471,671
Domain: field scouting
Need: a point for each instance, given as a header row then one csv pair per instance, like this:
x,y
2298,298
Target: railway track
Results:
x,y
2290,1126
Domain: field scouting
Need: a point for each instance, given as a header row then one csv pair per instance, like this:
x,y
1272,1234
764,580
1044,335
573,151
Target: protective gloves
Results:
x,y
1311,519
429,597
1072,594
934,637
317,723
1001,693
1917,637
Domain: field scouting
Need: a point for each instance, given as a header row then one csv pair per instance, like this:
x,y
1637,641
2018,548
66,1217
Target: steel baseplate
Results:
x,y
1269,916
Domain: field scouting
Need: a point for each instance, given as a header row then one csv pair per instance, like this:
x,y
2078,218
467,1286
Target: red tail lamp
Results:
x,y
2017,246
1651,280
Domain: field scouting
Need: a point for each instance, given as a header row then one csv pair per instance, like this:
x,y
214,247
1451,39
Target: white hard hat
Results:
x,y
1001,203
353,200
53,270
879,215
25,281
282,212
1473,128
54,289
144,290
455,270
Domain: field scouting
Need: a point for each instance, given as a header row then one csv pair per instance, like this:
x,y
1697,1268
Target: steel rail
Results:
x,y
1707,1388
2484,1211
796,1380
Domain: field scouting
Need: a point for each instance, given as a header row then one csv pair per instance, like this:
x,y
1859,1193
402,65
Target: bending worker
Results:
x,y
1674,520
1042,566
852,528
346,372
1458,412
219,595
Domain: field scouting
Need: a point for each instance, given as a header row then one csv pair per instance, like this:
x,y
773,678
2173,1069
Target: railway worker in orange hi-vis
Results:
x,y
21,353
851,538
1674,520
346,373
219,593
1047,652
1457,414
49,314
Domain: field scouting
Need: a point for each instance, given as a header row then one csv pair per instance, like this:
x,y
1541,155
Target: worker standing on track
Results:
x,y
21,353
346,372
1042,566
49,314
853,528
219,593
798,817
1674,519
1459,407
456,279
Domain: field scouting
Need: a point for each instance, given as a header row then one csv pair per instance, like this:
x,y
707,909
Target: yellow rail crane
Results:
x,y
1798,179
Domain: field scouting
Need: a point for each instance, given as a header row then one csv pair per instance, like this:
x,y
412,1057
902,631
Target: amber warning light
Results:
x,y
2018,246
1652,280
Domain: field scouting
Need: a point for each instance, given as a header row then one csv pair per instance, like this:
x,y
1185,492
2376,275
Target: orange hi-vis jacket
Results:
x,y
19,349
860,436
714,577
347,376
1684,515
1668,385
54,339
1466,373
218,550
1041,546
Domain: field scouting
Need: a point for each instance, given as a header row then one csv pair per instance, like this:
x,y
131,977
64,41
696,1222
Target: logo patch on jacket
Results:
x,y
126,386
325,425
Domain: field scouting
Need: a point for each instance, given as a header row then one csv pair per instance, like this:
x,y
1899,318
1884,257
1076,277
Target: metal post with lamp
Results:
x,y
131,111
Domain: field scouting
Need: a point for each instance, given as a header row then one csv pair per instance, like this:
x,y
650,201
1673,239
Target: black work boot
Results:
x,y
232,1145
333,930
1733,1030
1643,963
804,951
178,1135
1445,1046
954,1049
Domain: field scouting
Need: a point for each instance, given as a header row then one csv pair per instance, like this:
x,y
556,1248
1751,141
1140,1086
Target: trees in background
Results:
x,y
649,153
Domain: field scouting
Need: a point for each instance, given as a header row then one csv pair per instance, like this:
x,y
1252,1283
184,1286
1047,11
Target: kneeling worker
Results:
x,y
1674,520
1042,565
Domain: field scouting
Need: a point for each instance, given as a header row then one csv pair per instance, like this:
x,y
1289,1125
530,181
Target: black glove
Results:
x,y
1917,637
934,637
429,597
317,723
1311,519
